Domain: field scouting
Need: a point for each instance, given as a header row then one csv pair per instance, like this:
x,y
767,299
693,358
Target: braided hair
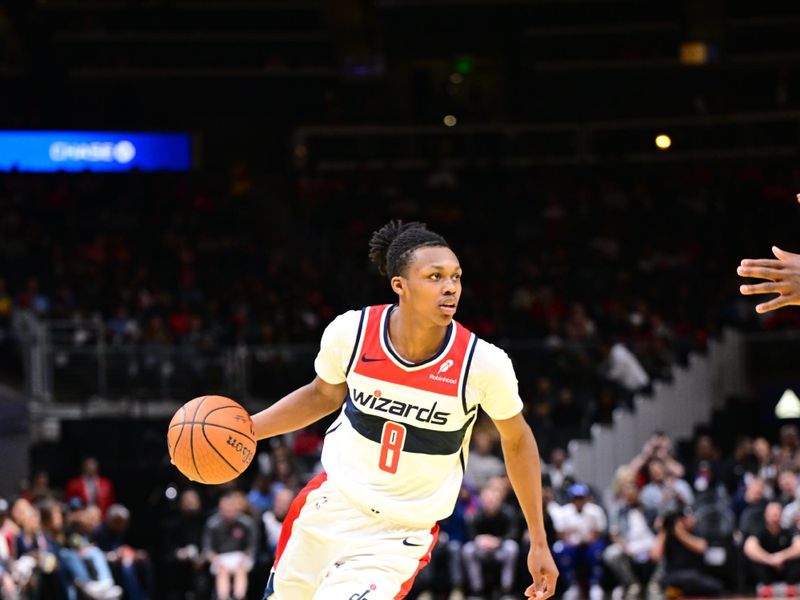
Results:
x,y
392,246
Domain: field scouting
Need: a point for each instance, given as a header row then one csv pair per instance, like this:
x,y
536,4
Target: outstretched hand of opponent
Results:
x,y
544,572
782,274
783,277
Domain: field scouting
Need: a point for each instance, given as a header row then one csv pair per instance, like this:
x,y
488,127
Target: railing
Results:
x,y
73,362
73,368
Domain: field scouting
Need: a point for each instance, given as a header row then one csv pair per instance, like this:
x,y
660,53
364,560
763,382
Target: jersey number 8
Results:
x,y
392,439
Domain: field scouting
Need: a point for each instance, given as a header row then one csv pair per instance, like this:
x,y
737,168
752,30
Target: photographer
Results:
x,y
683,552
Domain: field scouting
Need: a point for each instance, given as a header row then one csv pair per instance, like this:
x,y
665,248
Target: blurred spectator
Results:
x,y
8,527
6,306
787,487
734,468
766,466
581,525
751,518
787,451
703,467
658,446
682,552
284,468
73,571
19,512
774,553
32,551
483,463
454,532
8,586
622,367
273,518
578,326
39,488
664,492
560,471
52,523
133,564
307,447
229,545
33,298
78,553
615,497
262,493
601,409
91,487
184,562
92,519
790,517
632,540
493,540
122,329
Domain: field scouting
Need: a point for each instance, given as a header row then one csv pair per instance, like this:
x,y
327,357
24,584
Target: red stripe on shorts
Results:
x,y
294,510
426,558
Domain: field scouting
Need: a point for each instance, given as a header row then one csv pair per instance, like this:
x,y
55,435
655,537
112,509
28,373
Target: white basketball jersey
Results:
x,y
400,445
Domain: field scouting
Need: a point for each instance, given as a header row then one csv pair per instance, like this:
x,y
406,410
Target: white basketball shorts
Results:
x,y
330,550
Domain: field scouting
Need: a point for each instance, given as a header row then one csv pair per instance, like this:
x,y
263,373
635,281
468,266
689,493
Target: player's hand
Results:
x,y
543,569
783,275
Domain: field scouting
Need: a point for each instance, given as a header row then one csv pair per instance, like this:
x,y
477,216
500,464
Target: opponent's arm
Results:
x,y
783,277
302,407
524,471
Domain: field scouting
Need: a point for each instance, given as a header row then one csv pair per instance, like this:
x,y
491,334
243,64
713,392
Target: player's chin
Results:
x,y
445,314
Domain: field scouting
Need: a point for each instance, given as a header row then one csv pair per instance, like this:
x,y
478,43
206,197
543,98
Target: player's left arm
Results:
x,y
523,465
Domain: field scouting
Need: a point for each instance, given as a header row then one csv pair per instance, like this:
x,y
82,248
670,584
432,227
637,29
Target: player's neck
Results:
x,y
413,339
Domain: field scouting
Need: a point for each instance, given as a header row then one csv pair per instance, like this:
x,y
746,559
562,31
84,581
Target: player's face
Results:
x,y
432,283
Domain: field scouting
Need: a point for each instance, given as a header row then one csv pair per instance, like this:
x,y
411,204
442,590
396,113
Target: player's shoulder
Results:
x,y
347,319
490,366
341,329
488,356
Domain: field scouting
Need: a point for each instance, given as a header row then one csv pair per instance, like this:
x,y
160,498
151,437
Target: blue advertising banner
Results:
x,y
50,151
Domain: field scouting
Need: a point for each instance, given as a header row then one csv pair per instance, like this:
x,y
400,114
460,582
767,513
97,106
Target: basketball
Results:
x,y
211,439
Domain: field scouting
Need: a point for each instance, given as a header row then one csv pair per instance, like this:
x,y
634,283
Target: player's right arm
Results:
x,y
326,393
304,406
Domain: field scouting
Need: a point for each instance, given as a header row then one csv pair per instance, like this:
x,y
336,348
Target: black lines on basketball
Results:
x,y
214,448
245,436
191,438
180,433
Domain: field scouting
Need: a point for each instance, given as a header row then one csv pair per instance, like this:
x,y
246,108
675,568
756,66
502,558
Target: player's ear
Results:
x,y
398,285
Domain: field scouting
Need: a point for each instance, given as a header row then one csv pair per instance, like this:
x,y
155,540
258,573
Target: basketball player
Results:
x,y
783,277
407,381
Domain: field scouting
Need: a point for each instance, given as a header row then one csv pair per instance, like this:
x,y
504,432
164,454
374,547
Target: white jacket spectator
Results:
x,y
580,526
625,368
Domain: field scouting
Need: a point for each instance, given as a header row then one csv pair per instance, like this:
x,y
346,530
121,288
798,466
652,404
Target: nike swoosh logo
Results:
x,y
364,358
407,543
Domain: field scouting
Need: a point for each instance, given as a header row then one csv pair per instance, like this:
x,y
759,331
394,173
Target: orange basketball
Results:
x,y
211,439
